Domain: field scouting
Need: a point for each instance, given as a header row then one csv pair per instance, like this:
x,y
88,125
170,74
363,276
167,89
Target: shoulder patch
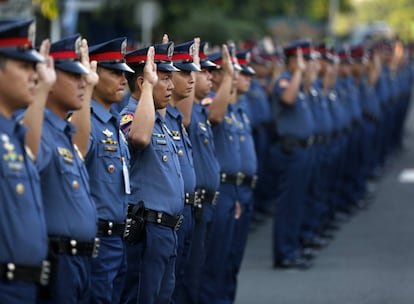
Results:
x,y
284,83
205,102
126,119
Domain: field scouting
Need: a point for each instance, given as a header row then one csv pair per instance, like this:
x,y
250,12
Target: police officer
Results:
x,y
227,143
183,82
70,212
290,158
107,161
248,176
23,239
207,170
156,178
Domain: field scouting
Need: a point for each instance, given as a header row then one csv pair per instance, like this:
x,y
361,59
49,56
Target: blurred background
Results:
x,y
217,21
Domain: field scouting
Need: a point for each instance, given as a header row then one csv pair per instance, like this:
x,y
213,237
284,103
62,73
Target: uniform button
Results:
x,y
111,168
242,138
75,185
231,138
180,153
164,158
206,141
20,188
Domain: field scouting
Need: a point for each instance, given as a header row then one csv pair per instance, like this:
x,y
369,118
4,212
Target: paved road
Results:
x,y
370,261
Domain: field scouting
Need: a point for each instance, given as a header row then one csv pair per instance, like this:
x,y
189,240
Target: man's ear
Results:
x,y
139,81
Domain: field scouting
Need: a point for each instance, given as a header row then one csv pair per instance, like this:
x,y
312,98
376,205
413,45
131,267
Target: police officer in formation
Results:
x,y
166,190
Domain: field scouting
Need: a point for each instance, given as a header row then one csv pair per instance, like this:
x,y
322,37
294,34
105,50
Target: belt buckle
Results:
x,y
44,273
95,249
215,198
309,141
178,223
240,178
254,182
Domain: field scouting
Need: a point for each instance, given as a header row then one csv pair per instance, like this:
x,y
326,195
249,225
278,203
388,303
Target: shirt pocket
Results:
x,y
109,166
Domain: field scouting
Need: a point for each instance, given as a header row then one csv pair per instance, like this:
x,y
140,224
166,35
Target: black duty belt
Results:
x,y
322,139
74,247
191,198
238,179
208,197
26,273
294,141
163,219
109,228
371,117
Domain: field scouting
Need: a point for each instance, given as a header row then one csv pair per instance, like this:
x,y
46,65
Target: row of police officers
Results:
x,y
153,204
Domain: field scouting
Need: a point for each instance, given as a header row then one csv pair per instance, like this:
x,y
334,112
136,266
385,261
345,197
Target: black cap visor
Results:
x,y
28,55
187,66
74,67
120,66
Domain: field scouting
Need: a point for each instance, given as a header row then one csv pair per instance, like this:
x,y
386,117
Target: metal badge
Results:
x,y
170,50
31,35
191,50
123,47
205,48
77,46
248,57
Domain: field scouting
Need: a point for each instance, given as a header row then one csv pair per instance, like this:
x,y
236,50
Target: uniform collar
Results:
x,y
174,112
59,123
101,113
11,126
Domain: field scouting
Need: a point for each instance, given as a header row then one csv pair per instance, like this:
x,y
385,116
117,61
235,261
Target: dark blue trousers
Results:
x,y
151,267
184,239
201,238
214,270
108,271
17,293
291,173
72,282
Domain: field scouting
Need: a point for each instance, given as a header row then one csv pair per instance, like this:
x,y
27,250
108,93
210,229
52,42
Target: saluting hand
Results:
x,y
150,68
227,66
46,70
300,61
92,77
196,57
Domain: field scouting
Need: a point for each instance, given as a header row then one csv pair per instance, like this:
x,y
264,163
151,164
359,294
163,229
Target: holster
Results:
x,y
135,224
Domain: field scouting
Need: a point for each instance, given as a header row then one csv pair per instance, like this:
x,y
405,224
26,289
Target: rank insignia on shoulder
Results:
x,y
284,83
126,118
205,102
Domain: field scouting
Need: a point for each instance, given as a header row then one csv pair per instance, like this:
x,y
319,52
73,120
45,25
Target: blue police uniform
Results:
x,y
156,180
69,209
182,59
259,112
107,161
185,233
21,218
207,170
227,143
290,162
316,204
248,169
23,237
